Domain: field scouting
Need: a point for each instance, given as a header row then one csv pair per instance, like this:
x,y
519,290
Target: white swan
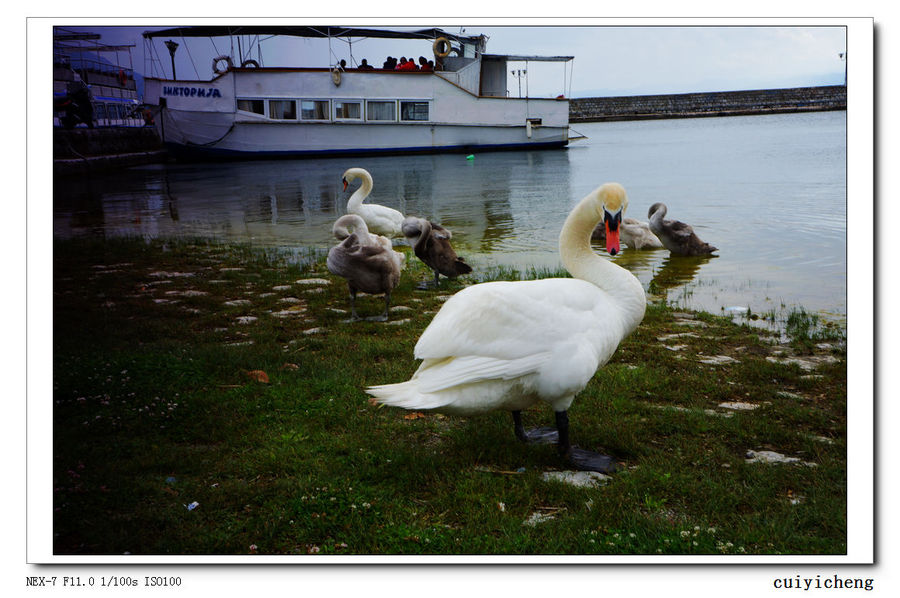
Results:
x,y
678,237
431,244
366,261
509,345
381,220
634,233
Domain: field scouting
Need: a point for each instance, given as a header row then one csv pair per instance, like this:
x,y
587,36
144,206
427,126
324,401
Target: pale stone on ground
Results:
x,y
771,457
312,281
582,479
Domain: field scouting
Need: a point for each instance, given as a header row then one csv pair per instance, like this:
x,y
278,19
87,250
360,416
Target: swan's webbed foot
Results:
x,y
590,461
427,285
430,284
542,435
580,458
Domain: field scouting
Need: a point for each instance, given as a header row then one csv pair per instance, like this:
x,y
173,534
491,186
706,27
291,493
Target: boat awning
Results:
x,y
94,49
303,31
523,58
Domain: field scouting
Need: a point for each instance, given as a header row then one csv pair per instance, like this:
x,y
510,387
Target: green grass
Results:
x,y
156,406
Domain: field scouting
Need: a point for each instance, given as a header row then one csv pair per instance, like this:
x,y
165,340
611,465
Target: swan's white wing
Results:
x,y
512,320
381,219
437,375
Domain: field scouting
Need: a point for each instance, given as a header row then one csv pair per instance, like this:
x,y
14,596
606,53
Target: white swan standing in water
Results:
x,y
634,233
381,220
510,345
678,237
366,261
431,244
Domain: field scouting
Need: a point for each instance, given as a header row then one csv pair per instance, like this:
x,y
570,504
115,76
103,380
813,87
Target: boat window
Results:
x,y
347,109
255,106
314,109
283,109
413,110
381,110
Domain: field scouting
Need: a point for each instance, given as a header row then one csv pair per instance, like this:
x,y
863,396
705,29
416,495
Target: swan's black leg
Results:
x,y
387,307
428,284
580,458
353,314
517,426
545,435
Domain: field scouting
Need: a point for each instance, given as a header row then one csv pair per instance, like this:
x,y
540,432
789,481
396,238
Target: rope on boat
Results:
x,y
208,143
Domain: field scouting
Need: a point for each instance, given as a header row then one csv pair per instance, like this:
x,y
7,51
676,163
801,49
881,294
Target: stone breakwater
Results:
x,y
721,103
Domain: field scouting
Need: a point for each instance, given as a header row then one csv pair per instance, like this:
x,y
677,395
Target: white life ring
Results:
x,y
249,63
217,60
336,75
438,45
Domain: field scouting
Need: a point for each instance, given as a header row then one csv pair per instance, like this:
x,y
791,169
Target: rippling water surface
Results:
x,y
768,191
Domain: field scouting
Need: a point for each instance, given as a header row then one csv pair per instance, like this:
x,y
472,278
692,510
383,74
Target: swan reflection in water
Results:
x,y
676,271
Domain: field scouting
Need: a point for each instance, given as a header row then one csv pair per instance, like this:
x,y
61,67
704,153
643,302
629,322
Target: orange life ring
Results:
x,y
249,63
439,43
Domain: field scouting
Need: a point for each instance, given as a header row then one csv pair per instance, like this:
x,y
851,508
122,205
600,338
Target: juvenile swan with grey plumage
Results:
x,y
510,345
431,244
366,261
676,236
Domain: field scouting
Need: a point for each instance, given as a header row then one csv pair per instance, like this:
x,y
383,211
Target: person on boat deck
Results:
x,y
365,66
408,65
425,65
389,64
343,64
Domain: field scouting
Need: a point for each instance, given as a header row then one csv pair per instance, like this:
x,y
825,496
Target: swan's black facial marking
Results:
x,y
612,221
345,183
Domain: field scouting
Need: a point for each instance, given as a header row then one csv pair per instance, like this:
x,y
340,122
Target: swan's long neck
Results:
x,y
424,234
656,216
580,260
360,194
344,223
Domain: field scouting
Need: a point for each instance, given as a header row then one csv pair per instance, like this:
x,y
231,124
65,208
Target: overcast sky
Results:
x,y
630,60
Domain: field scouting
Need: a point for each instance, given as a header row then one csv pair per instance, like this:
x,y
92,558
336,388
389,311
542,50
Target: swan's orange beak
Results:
x,y
612,232
345,184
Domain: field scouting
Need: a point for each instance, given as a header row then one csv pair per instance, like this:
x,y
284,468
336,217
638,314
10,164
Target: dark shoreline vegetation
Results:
x,y
226,378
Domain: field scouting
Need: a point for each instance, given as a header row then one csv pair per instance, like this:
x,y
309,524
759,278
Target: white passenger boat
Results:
x,y
249,110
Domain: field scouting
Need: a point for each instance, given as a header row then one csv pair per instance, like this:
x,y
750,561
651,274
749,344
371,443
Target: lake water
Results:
x,y
768,191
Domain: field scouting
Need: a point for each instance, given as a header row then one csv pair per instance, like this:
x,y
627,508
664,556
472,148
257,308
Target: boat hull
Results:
x,y
262,141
